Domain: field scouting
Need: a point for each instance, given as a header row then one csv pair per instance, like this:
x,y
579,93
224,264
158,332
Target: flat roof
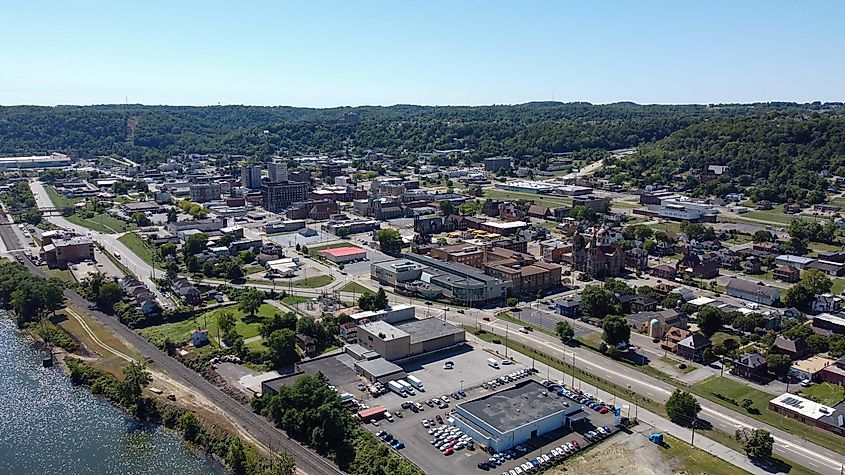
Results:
x,y
427,329
343,251
795,259
379,367
379,327
813,364
515,406
834,319
505,224
805,407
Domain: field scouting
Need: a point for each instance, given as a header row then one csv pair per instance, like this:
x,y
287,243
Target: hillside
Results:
x,y
150,133
776,156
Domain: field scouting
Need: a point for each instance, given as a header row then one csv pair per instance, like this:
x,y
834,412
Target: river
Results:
x,y
49,426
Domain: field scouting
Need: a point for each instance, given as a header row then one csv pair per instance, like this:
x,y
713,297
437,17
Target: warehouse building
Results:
x,y
379,370
409,338
43,161
510,417
340,255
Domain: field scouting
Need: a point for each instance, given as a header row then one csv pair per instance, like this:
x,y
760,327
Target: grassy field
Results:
x,y
253,269
355,287
672,361
720,337
312,282
838,286
294,299
733,390
62,274
824,247
825,393
136,244
180,332
312,251
693,460
103,222
542,200
59,200
775,215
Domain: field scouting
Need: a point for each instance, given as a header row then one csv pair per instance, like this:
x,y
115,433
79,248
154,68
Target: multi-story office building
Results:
x,y
275,197
251,177
277,172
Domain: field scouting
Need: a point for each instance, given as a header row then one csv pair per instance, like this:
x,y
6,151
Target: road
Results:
x,y
110,242
239,414
794,448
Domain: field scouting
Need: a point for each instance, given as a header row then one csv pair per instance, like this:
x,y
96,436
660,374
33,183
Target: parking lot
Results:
x,y
547,320
418,448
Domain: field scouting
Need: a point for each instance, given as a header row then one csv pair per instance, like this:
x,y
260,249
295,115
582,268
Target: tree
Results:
x,y
813,282
172,215
141,219
836,345
817,344
135,379
390,241
283,465
447,208
759,445
109,294
564,331
762,236
250,300
194,244
747,404
596,301
371,301
682,408
615,330
236,456
709,320
190,425
225,322
778,364
381,301
277,321
282,346
235,272
512,302
618,287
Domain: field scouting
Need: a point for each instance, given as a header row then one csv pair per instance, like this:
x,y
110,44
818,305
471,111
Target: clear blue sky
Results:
x,y
326,53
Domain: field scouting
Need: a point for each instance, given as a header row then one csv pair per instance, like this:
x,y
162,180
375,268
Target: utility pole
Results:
x,y
694,423
506,340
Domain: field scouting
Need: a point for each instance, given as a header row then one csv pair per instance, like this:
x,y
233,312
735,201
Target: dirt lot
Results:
x,y
623,455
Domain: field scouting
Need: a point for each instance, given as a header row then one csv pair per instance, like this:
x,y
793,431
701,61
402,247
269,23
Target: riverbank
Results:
x,y
98,360
50,426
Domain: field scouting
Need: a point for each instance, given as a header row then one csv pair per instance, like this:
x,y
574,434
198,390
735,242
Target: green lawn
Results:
x,y
103,222
542,200
136,244
62,274
180,332
312,251
823,247
674,363
253,269
720,337
294,299
667,226
825,393
59,200
693,460
355,287
312,282
775,215
733,390
838,286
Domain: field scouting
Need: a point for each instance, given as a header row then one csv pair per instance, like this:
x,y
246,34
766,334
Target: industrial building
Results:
x,y
59,252
403,339
40,161
512,416
340,255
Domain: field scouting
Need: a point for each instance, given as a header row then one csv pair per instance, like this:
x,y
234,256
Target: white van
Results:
x,y
493,363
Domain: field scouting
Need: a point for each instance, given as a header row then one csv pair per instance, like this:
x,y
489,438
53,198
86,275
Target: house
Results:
x,y
636,303
636,258
307,344
199,337
754,292
827,303
568,307
764,205
703,266
730,261
693,346
751,366
751,265
787,274
349,332
835,373
791,208
673,336
186,291
664,271
541,212
794,349
810,368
